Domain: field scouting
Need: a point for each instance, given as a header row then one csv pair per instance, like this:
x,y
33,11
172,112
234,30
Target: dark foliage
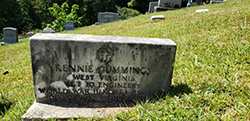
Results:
x,y
27,15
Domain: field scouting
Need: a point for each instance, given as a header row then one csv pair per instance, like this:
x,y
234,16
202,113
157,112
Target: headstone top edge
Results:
x,y
9,28
104,39
69,21
107,13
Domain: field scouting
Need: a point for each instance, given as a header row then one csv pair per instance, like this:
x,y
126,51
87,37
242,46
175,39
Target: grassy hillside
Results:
x,y
211,79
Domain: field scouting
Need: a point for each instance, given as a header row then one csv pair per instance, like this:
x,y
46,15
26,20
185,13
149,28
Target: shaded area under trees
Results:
x,y
27,15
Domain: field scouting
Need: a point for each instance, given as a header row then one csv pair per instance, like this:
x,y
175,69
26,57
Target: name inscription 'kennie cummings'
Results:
x,y
102,69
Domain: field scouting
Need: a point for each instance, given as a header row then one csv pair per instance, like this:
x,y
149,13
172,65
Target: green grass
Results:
x,y
211,79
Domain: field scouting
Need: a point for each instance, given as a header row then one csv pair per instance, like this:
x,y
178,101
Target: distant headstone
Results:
x,y
96,71
201,10
151,7
199,2
168,5
216,1
29,34
10,35
48,30
157,17
69,25
106,17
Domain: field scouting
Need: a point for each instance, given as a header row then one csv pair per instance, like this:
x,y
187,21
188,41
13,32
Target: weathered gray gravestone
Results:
x,y
151,7
106,17
92,72
10,35
69,25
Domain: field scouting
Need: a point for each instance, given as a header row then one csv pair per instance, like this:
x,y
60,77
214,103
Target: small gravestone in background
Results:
x,y
48,30
86,75
69,25
151,7
164,5
199,2
157,17
10,35
216,1
201,10
106,17
29,34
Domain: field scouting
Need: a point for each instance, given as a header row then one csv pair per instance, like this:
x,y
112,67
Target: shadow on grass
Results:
x,y
177,90
4,105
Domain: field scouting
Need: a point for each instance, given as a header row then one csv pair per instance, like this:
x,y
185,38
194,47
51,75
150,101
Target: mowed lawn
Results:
x,y
211,79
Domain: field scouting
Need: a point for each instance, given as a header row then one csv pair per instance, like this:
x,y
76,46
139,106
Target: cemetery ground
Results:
x,y
211,79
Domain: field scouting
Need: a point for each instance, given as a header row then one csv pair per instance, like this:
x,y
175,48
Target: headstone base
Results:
x,y
40,111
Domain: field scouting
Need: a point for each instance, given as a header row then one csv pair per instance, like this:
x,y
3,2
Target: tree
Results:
x,y
26,15
62,15
41,13
10,15
34,13
140,5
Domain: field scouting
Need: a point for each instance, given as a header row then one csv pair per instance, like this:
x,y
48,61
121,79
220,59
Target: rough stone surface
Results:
x,y
40,111
77,69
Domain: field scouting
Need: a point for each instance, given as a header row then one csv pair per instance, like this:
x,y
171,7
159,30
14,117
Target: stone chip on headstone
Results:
x,y
10,35
87,75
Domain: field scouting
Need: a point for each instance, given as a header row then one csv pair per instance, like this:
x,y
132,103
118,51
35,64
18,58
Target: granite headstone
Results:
x,y
105,71
106,17
10,35
170,3
151,7
164,5
69,25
